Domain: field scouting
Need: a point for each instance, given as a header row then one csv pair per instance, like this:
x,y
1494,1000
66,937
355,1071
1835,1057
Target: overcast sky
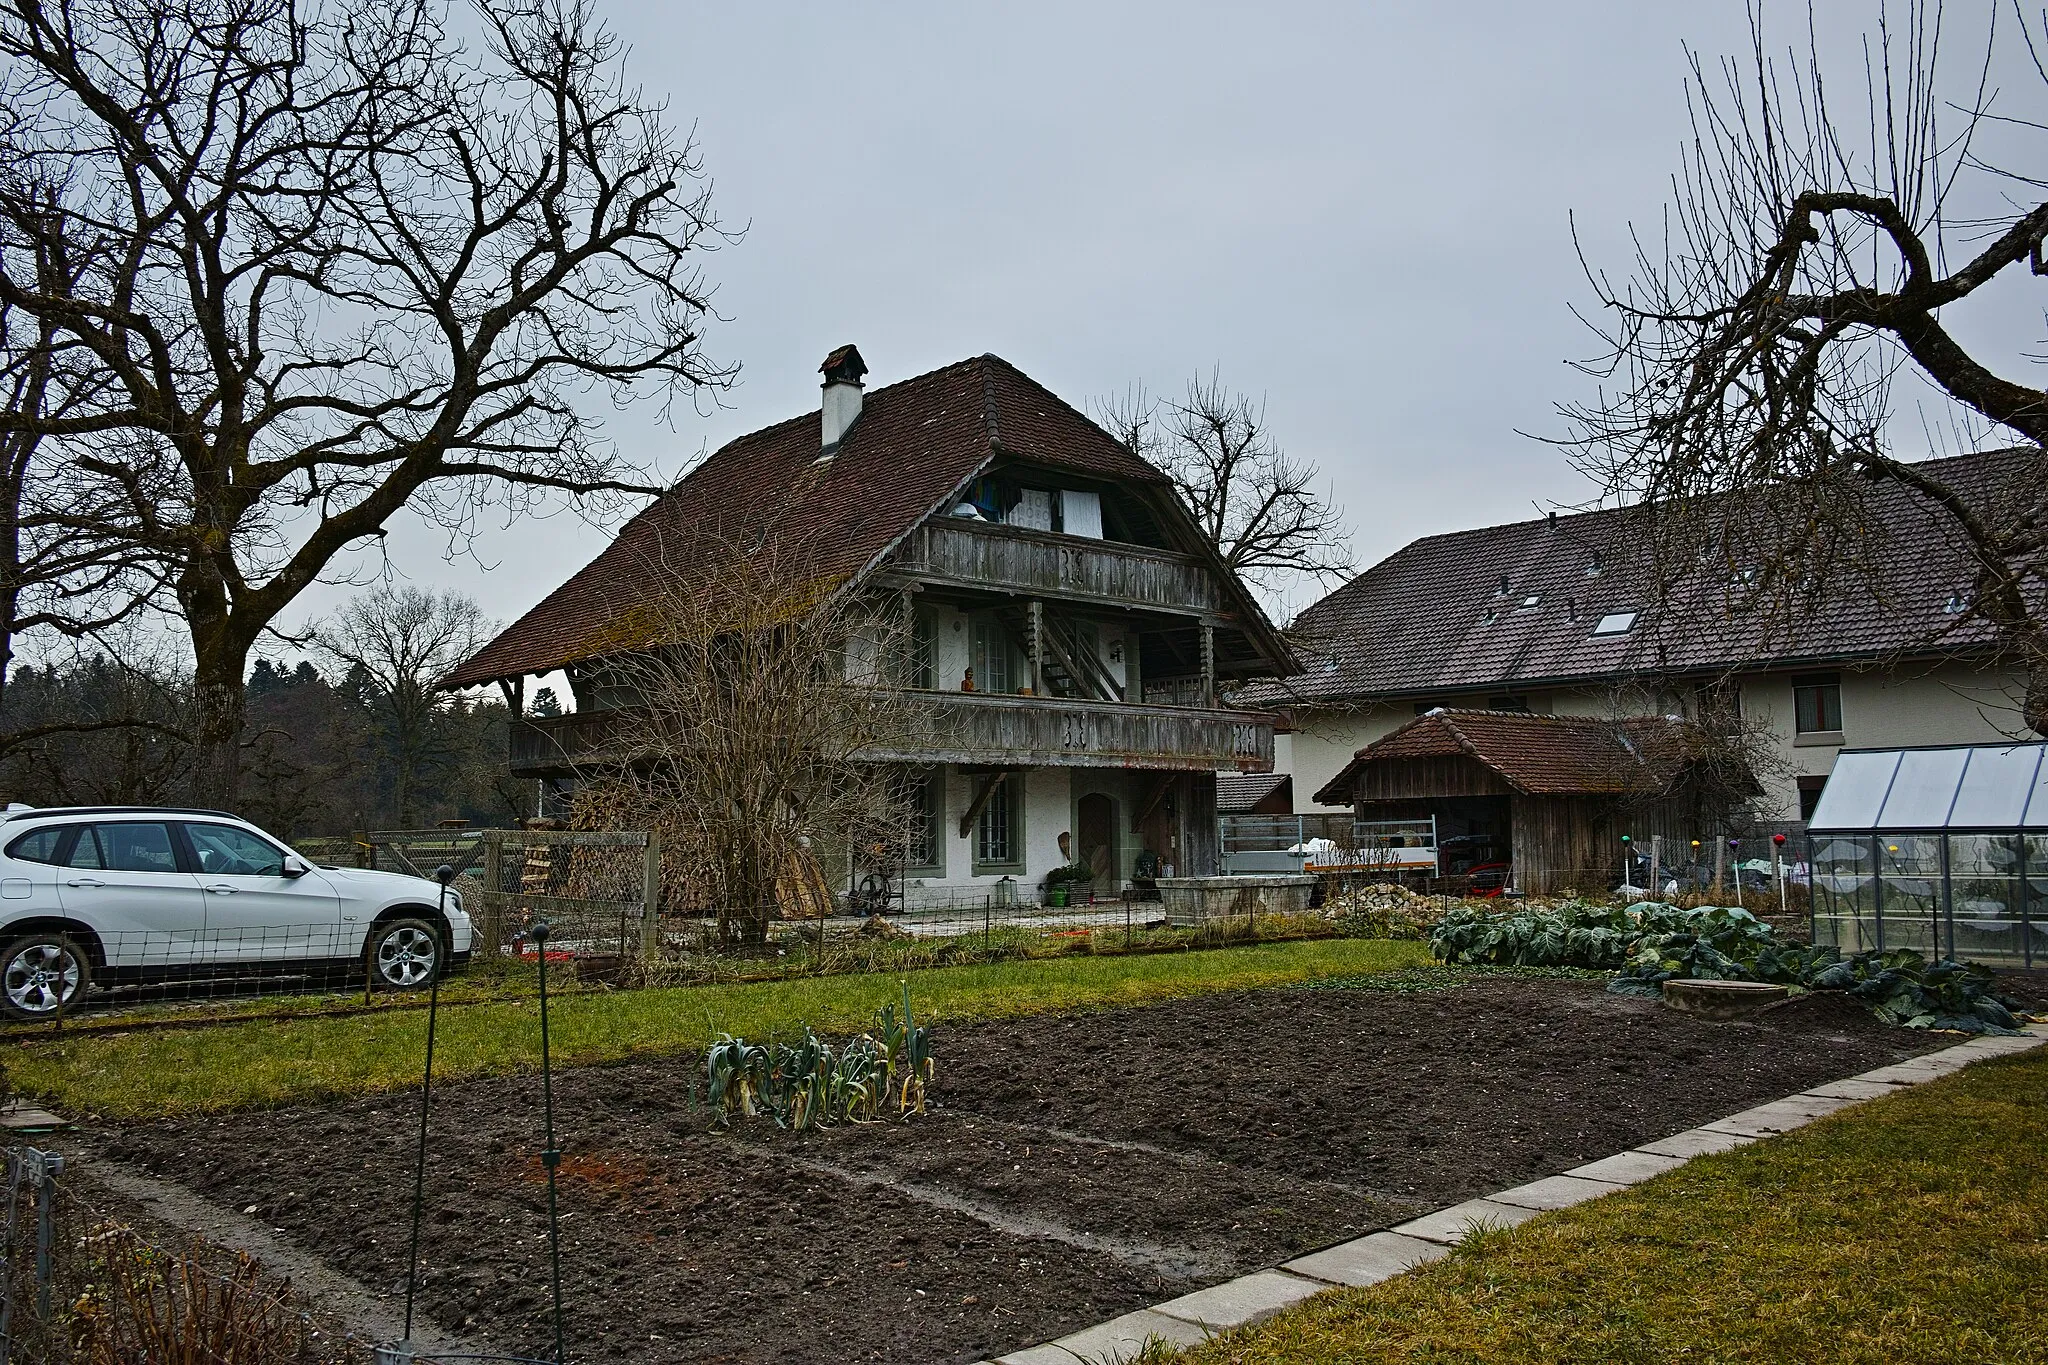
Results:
x,y
1361,212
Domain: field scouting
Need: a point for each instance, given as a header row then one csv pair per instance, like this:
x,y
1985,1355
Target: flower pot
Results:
x,y
1057,897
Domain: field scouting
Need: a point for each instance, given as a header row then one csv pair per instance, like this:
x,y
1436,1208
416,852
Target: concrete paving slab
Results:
x,y
1854,1090
1452,1224
1368,1260
1696,1142
1555,1192
1903,1073
1996,1045
1779,1116
1627,1168
1248,1298
32,1118
1109,1343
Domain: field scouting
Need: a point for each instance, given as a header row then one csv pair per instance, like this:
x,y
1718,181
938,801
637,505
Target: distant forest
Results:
x,y
321,755
361,740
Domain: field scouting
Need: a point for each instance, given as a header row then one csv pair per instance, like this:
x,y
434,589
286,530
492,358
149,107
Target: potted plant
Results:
x,y
1063,883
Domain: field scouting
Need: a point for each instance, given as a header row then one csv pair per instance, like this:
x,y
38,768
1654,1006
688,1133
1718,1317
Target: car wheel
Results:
x,y
41,976
405,955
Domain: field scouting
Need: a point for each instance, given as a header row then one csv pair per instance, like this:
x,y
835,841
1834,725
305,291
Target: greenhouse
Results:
x,y
1941,850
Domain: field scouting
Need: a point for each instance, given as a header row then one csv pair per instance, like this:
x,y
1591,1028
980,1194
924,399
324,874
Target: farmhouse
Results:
x,y
1564,615
1072,629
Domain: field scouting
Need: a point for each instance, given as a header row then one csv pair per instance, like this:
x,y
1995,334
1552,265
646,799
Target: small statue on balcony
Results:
x,y
967,681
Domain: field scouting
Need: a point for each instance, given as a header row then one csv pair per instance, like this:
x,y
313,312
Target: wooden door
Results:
x,y
1097,828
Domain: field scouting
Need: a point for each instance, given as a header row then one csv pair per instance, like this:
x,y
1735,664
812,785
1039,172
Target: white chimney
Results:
x,y
842,370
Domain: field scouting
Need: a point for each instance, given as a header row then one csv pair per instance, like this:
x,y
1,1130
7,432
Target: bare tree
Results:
x,y
1249,496
404,641
1762,344
766,715
336,263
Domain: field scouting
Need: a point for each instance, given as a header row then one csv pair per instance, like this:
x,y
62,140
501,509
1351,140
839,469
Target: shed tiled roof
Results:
x,y
1535,754
914,446
1432,617
1237,793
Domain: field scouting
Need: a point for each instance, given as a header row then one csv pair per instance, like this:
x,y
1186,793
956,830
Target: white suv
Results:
x,y
121,895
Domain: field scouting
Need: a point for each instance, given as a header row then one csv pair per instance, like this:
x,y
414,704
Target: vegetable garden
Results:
x,y
1065,1167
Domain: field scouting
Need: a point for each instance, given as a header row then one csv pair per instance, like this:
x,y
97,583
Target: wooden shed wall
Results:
x,y
1405,779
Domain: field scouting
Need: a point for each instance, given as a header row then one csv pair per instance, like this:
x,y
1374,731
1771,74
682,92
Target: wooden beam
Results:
x,y
981,797
1157,795
515,695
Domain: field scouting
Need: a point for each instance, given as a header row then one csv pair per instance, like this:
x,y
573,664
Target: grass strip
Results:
x,y
1914,1228
282,1061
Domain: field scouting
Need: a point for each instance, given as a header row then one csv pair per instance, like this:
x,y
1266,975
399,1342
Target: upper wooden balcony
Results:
x,y
964,727
977,555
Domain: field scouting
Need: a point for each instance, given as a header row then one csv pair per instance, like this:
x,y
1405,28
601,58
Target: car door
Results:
x,y
124,879
254,912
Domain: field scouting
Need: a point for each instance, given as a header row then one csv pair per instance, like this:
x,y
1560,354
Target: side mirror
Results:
x,y
296,867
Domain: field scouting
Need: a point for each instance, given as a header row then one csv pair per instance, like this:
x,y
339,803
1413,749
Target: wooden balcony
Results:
x,y
965,727
984,557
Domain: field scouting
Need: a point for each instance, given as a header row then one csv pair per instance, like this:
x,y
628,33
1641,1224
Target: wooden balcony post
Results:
x,y
1208,665
1036,644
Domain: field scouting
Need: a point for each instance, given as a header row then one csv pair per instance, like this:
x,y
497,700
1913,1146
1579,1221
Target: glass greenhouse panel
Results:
x,y
1924,788
1909,892
1987,897
2036,874
1855,791
1995,787
1844,894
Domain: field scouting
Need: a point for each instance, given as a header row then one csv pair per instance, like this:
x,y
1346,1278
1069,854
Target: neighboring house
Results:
x,y
1072,627
1559,616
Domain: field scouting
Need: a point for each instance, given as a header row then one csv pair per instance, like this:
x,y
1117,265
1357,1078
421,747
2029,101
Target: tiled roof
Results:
x,y
914,446
1237,793
1433,616
1535,754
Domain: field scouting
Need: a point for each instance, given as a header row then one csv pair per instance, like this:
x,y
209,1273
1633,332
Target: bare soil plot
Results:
x,y
1073,1167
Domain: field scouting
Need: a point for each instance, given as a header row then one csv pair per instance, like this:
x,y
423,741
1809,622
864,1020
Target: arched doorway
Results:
x,y
1095,822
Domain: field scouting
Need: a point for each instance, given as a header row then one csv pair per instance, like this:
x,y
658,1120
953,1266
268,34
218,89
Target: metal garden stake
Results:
x,y
549,1157
444,874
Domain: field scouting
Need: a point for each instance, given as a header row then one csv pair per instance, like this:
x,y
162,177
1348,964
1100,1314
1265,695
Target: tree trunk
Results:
x,y
217,735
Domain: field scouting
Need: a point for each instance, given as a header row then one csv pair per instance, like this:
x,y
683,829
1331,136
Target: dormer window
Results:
x,y
1616,623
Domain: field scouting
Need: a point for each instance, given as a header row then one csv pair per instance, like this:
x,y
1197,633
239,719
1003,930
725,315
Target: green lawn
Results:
x,y
151,1072
1911,1229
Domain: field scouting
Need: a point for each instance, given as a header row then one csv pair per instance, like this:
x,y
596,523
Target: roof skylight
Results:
x,y
1616,623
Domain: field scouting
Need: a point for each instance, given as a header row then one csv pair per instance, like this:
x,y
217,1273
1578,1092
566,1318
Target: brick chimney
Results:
x,y
842,370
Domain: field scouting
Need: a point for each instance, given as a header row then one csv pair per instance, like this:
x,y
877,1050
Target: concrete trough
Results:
x,y
1208,900
1722,999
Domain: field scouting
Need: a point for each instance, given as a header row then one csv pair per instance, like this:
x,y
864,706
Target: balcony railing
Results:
x,y
963,727
1041,564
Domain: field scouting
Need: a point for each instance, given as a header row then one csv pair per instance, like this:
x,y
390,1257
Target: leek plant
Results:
x,y
811,1084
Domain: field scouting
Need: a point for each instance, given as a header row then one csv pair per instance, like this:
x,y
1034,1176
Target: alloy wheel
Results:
x,y
406,956
42,978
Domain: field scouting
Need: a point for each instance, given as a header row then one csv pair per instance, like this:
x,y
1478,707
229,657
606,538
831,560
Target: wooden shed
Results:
x,y
1553,794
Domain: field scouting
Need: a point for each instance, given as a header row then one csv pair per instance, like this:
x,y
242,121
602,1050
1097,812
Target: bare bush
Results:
x,y
760,702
